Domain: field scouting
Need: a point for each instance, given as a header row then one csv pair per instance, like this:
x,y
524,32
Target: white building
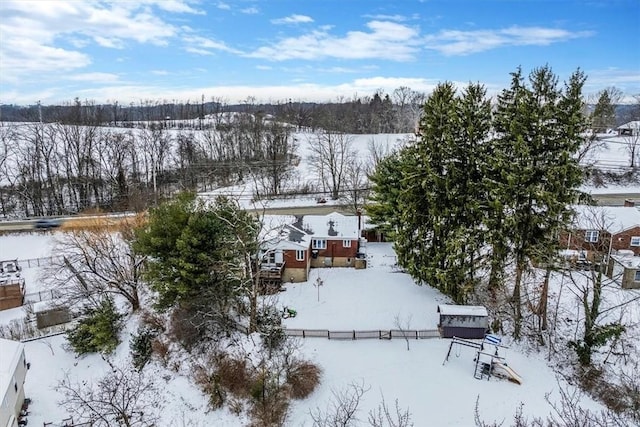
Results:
x,y
13,369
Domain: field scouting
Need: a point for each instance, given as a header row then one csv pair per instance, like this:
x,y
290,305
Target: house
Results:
x,y
11,284
629,129
335,239
286,257
13,370
463,321
601,230
309,241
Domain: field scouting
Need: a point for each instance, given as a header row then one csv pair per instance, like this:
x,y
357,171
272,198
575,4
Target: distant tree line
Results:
x,y
380,113
58,168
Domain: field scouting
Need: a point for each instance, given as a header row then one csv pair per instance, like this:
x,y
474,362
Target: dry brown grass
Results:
x,y
234,376
106,223
303,377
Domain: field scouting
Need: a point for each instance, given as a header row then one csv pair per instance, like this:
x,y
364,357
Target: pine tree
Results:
x,y
424,193
535,175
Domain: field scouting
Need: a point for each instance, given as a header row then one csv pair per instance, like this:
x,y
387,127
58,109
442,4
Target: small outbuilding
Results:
x,y
463,321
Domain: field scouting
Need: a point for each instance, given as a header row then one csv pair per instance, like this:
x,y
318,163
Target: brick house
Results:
x,y
311,241
602,230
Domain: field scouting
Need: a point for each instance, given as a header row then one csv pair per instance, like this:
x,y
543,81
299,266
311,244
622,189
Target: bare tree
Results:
x,y
590,287
632,142
383,416
122,397
95,262
331,156
403,326
342,409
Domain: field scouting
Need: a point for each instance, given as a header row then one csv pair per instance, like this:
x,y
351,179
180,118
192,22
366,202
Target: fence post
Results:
x,y
328,334
303,334
354,334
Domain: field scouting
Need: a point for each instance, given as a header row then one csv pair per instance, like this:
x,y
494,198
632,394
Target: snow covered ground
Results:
x,y
436,394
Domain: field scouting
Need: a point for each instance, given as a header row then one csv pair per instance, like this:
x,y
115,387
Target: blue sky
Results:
x,y
306,50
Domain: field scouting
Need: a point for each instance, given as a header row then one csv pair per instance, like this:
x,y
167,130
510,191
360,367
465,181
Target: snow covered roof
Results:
x,y
613,219
9,357
462,310
333,225
630,125
627,261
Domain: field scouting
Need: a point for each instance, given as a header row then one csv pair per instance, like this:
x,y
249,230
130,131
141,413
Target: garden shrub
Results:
x,y
98,330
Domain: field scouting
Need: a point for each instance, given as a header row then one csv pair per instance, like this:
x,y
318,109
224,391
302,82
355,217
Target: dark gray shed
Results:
x,y
464,321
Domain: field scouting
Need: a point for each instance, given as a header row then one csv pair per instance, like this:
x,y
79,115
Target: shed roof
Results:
x,y
462,310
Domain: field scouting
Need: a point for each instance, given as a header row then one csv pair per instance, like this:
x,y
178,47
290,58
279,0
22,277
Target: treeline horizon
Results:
x,y
397,112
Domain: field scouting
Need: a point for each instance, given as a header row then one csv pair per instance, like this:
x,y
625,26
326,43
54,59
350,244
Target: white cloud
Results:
x,y
384,40
293,19
31,31
203,46
223,6
457,42
250,10
301,91
396,18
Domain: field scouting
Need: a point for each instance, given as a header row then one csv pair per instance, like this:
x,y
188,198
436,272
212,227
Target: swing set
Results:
x,y
486,364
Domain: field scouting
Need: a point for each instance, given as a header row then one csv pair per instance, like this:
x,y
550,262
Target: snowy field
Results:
x,y
436,394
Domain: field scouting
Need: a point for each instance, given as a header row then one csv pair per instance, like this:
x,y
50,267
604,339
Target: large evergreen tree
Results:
x,y
535,175
199,256
474,182
422,193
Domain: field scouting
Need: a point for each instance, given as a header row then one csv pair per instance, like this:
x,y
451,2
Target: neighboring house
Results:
x,y
335,239
310,241
13,370
600,230
625,269
11,284
629,129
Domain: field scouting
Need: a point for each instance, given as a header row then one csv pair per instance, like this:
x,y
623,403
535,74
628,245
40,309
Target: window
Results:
x,y
318,244
635,241
636,277
300,255
346,243
591,236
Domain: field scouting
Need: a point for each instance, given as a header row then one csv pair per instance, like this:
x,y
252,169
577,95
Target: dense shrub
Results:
x,y
141,348
98,330
303,377
234,376
270,402
187,327
209,382
269,323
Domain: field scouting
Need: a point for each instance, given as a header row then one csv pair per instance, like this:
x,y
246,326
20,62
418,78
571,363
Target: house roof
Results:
x,y
334,225
613,219
630,125
295,232
9,358
462,310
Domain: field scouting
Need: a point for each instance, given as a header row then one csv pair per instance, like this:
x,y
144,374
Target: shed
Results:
x,y
50,314
463,321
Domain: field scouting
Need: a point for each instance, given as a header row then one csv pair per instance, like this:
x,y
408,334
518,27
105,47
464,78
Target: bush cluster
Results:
x,y
97,331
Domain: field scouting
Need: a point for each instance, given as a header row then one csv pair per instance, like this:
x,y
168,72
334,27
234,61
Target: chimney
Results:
x,y
629,203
